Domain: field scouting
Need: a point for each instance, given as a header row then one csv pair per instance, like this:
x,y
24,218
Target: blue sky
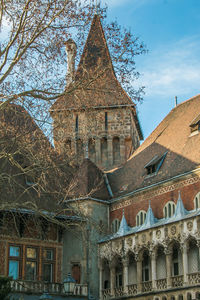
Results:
x,y
171,31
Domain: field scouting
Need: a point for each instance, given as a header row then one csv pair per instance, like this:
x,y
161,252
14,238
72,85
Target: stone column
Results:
x,y
198,245
122,149
112,278
168,255
184,250
153,269
98,150
139,274
125,262
100,280
110,150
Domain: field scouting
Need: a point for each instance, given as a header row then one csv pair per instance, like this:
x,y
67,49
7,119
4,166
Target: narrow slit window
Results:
x,y
76,125
106,120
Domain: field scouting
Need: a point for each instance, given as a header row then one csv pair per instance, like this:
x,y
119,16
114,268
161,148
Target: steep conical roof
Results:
x,y
150,218
95,56
180,209
123,228
95,83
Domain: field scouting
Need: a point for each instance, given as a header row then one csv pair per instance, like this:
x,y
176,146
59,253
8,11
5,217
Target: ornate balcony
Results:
x,y
194,278
177,281
41,287
119,291
161,284
106,294
132,289
146,286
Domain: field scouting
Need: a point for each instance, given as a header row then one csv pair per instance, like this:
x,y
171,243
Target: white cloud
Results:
x,y
172,69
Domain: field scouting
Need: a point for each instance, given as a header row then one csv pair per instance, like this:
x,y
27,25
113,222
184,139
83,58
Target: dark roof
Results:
x,y
172,135
88,181
95,82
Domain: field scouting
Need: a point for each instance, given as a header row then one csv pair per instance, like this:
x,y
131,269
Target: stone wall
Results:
x,y
107,136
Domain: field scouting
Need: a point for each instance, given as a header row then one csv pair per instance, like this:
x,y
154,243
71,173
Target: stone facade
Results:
x,y
107,136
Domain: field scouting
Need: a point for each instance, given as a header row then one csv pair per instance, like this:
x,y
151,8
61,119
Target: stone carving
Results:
x,y
173,230
143,238
158,234
129,242
189,225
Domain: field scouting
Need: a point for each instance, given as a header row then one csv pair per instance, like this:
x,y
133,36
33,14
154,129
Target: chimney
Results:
x,y
175,101
71,54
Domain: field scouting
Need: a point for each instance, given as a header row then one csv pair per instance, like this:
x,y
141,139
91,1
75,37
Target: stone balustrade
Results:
x,y
119,292
106,294
177,281
146,286
132,289
41,287
161,284
194,278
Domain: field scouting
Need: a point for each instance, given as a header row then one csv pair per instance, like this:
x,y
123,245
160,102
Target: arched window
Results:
x,y
115,225
197,201
145,267
169,209
104,151
116,150
140,218
91,149
189,296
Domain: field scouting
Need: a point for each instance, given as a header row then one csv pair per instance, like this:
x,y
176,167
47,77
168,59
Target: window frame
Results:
x,y
16,258
36,260
169,209
115,225
197,201
141,217
50,262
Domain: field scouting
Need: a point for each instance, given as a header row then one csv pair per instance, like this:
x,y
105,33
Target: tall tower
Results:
x,y
96,118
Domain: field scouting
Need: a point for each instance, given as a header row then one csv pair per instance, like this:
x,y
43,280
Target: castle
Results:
x,y
140,238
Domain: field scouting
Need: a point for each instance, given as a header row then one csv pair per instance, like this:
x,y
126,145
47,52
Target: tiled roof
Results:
x,y
95,83
88,181
172,135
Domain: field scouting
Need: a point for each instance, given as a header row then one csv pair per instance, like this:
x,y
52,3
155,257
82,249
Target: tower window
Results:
x,y
106,120
76,124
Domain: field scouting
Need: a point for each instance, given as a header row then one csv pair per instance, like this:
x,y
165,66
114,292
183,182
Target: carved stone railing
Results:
x,y
161,284
41,287
146,286
119,291
194,278
132,289
177,281
106,294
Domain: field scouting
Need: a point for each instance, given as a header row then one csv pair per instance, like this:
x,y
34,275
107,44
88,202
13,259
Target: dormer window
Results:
x,y
140,218
195,125
154,165
197,201
115,225
169,209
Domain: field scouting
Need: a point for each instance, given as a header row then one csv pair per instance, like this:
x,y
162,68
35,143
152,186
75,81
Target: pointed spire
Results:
x,y
150,219
180,209
96,56
123,228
